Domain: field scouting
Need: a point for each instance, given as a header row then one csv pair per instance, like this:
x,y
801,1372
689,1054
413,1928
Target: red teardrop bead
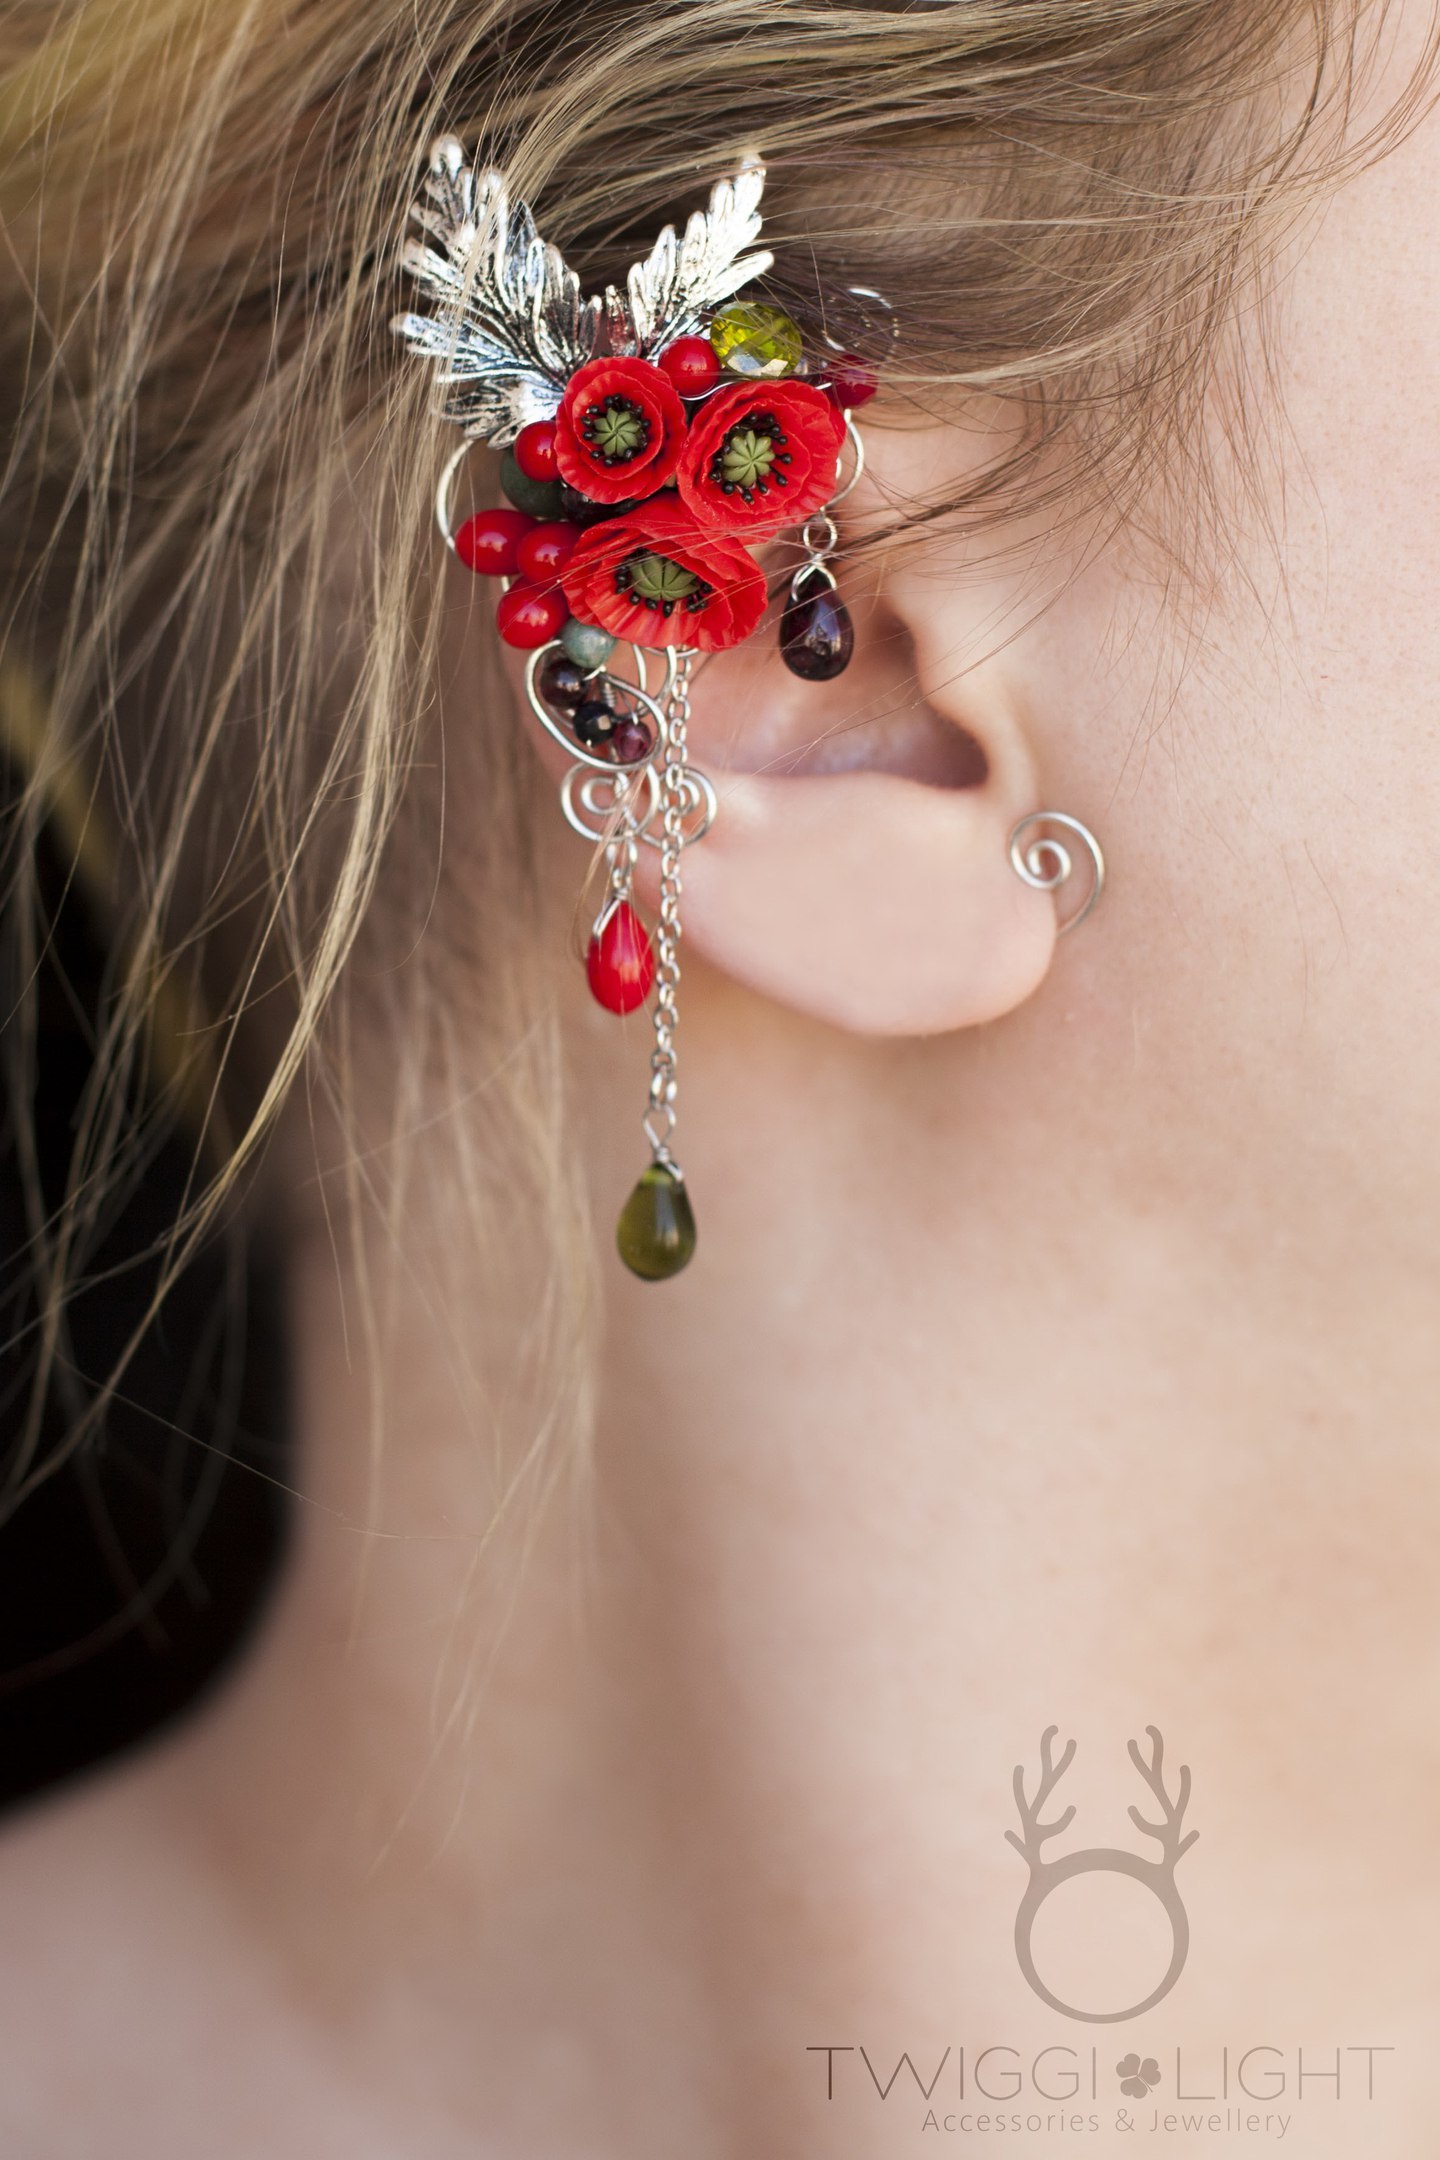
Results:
x,y
620,965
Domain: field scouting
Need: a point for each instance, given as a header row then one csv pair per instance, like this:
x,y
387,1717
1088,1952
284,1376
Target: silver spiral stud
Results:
x,y
1044,861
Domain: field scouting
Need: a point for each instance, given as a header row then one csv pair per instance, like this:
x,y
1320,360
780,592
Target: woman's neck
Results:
x,y
606,1785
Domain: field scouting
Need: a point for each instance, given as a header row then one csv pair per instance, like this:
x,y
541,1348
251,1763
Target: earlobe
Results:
x,y
876,903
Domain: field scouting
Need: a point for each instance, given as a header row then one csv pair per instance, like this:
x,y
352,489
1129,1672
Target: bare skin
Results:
x,y
1076,1368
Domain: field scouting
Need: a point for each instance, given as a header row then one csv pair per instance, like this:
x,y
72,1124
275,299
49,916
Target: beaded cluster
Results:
x,y
648,440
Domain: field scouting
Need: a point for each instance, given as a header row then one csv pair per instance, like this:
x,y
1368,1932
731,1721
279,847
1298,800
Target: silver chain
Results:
x,y
676,796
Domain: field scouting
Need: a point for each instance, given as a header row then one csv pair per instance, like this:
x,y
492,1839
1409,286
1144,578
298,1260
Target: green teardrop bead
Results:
x,y
656,1230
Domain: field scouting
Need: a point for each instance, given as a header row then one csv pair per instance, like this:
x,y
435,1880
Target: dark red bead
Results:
x,y
545,550
851,382
620,964
632,740
561,683
489,542
817,637
528,616
535,451
691,365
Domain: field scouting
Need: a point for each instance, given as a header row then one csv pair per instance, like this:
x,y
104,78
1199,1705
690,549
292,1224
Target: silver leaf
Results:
x,y
681,282
511,326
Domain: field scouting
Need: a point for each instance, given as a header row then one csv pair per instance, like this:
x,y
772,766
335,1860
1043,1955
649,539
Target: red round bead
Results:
x,y
620,964
691,365
545,550
852,383
530,615
535,450
489,542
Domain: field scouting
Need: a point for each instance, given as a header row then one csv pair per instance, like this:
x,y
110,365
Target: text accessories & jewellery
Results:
x,y
649,439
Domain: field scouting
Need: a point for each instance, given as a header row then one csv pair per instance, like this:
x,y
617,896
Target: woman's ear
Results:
x,y
858,869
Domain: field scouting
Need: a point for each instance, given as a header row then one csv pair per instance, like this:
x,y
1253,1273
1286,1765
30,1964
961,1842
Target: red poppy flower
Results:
x,y
761,455
653,576
620,430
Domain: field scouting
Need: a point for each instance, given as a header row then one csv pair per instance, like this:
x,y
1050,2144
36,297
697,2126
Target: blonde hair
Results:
x,y
222,612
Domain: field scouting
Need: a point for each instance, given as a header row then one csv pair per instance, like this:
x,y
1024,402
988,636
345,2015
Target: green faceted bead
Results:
x,y
756,341
586,644
656,1230
537,498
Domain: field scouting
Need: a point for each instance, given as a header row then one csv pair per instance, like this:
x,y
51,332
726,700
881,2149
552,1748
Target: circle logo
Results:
x,y
1156,1876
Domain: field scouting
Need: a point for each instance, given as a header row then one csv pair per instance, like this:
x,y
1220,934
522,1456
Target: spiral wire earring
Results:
x,y
1045,863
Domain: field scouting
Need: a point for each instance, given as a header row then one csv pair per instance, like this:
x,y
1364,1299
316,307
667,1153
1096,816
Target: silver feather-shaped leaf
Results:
x,y
681,281
511,327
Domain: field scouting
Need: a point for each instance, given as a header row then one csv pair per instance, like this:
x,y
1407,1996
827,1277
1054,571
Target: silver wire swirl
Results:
x,y
868,321
857,442
638,691
1045,863
443,488
593,798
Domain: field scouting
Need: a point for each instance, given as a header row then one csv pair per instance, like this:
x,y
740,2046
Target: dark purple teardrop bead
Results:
x,y
817,637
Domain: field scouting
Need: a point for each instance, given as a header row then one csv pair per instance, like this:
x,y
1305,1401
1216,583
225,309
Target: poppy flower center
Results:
x,y
617,430
751,458
657,582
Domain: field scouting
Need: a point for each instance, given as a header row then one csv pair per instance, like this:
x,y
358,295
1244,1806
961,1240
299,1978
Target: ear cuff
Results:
x,y
648,439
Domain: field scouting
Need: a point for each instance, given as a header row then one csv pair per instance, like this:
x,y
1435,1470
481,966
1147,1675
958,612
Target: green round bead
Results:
x,y
756,341
537,498
656,1231
587,645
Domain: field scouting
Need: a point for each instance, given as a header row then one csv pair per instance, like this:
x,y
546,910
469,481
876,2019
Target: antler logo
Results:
x,y
1158,1876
